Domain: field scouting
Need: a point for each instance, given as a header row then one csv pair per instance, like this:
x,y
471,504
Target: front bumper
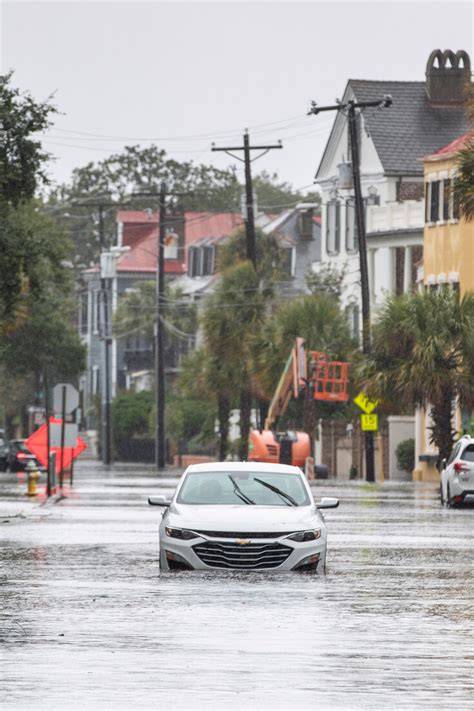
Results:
x,y
206,553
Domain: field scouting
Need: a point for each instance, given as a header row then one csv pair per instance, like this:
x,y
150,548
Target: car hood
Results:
x,y
242,518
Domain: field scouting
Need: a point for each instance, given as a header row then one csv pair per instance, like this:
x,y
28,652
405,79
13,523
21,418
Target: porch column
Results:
x,y
407,270
392,270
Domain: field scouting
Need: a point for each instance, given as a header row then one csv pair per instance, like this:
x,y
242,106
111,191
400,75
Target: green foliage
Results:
x,y
405,454
190,424
138,169
34,248
131,414
464,183
269,256
274,196
136,312
317,319
327,281
423,355
22,159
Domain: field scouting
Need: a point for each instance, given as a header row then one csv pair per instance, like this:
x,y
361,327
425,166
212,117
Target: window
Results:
x,y
434,201
84,313
208,261
353,316
287,265
352,240
96,310
446,199
193,262
333,210
468,454
95,380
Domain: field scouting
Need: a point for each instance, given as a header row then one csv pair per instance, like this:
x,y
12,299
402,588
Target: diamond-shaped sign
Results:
x,y
38,444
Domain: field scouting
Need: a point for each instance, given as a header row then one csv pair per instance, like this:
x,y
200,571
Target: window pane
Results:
x,y
434,209
446,199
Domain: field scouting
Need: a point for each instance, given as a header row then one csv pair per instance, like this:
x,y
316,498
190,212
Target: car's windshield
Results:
x,y
246,488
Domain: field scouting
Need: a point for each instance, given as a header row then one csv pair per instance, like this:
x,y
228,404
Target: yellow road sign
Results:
x,y
365,404
369,423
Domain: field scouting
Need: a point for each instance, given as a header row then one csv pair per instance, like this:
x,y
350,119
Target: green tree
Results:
x,y
22,159
23,235
138,169
234,311
464,183
328,281
422,356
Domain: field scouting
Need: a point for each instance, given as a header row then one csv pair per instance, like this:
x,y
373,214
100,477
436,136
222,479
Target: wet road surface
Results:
x,y
88,622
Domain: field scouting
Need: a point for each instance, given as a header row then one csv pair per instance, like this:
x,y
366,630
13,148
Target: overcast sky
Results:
x,y
187,73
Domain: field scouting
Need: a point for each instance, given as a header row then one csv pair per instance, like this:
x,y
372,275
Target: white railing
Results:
x,y
394,216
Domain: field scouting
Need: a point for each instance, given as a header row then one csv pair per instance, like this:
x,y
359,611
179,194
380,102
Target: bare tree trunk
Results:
x,y
223,414
245,413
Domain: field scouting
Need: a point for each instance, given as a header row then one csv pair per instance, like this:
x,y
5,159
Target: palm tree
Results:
x,y
423,356
232,313
319,320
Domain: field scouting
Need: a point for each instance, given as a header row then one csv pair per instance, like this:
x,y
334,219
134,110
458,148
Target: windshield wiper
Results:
x,y
289,500
238,491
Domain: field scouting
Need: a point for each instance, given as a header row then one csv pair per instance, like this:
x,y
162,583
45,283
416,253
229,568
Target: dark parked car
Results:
x,y
15,455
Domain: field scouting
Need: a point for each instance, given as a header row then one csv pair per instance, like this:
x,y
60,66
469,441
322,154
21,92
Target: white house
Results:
x,y
423,117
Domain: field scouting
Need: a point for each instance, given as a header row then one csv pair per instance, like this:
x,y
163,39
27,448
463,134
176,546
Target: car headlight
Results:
x,y
302,536
181,533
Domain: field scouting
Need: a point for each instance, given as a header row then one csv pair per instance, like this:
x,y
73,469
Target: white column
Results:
x,y
407,271
392,263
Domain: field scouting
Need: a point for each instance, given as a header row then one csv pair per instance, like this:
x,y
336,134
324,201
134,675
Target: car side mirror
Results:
x,y
328,502
158,501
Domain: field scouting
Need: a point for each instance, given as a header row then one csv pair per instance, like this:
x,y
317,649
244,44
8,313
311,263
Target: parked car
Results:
x,y
457,474
245,516
15,455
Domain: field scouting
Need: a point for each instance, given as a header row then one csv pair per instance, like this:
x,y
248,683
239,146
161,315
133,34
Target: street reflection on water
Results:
x,y
89,622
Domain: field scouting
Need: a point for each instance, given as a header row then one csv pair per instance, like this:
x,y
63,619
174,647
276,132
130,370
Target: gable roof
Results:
x,y
451,149
140,232
406,131
411,127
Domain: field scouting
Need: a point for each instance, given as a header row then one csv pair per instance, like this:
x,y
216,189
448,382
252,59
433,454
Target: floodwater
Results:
x,y
88,622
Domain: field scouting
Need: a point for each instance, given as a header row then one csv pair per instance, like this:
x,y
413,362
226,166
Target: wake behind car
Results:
x,y
457,474
243,516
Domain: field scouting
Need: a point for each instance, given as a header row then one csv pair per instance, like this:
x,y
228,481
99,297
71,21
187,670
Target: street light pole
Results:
x,y
351,107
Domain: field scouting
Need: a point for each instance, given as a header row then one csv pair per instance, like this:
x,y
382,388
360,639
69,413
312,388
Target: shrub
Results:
x,y
405,453
130,415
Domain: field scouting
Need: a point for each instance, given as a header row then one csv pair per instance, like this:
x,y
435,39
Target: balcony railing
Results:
x,y
395,216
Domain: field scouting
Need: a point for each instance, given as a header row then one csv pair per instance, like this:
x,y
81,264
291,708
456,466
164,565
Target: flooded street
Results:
x,y
87,621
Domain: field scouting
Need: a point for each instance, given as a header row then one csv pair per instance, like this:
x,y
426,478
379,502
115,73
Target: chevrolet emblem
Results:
x,y
243,541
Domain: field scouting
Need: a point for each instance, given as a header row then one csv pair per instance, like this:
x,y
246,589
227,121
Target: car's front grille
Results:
x,y
243,556
240,534
272,449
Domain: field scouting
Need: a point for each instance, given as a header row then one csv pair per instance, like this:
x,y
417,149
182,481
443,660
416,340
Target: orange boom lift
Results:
x,y
327,381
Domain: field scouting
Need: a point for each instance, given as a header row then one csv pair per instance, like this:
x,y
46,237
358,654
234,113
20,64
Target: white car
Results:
x,y
457,474
244,516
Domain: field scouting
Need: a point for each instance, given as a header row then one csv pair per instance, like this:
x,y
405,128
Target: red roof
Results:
x,y
140,232
451,149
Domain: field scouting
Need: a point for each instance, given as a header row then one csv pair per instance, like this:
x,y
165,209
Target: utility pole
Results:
x,y
350,107
250,221
105,386
160,441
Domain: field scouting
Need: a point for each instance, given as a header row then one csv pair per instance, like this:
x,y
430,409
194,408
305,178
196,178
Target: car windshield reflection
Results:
x,y
245,488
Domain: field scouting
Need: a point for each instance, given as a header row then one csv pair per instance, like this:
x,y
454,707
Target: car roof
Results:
x,y
244,466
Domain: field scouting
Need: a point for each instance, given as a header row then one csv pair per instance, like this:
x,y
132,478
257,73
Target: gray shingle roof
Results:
x,y
411,128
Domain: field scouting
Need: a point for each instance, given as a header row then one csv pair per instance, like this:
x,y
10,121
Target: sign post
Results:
x,y
65,401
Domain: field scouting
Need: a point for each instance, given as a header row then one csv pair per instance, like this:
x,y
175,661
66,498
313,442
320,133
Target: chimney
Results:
x,y
447,74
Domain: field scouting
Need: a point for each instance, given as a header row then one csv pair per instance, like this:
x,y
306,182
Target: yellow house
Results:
x,y
448,261
448,240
